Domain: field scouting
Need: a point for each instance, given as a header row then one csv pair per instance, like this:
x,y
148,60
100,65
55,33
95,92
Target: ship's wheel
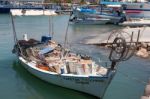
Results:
x,y
118,49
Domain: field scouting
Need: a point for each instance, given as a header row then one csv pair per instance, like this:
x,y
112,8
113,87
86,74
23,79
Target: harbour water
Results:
x,y
17,83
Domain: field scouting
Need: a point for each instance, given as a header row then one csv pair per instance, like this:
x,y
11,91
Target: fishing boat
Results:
x,y
70,70
133,9
138,10
94,16
56,64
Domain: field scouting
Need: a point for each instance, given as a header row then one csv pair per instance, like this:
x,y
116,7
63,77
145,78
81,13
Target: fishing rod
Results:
x,y
66,34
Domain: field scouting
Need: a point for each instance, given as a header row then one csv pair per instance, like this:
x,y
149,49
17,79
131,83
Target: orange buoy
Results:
x,y
43,67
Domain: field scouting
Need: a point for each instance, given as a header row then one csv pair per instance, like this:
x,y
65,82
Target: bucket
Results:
x,y
45,39
25,37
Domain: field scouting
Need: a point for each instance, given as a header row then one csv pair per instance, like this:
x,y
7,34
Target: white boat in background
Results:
x,y
91,21
138,10
32,12
136,22
133,9
81,15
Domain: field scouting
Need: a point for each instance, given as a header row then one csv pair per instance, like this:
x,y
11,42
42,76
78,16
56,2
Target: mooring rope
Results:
x,y
132,78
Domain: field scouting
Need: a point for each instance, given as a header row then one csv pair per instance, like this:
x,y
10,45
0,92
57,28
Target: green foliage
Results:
x,y
52,1
82,2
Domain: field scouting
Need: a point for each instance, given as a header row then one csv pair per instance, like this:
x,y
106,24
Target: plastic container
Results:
x,y
25,37
62,70
45,39
72,67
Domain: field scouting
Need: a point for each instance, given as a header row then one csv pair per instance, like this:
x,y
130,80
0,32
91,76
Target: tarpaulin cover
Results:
x,y
46,50
45,39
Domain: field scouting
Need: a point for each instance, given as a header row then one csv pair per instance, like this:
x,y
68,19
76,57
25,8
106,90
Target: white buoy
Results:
x,y
147,90
25,37
145,97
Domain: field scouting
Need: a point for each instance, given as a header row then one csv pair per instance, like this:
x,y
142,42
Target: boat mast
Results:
x,y
51,26
66,34
49,23
14,30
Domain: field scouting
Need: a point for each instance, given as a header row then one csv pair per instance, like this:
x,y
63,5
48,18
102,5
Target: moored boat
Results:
x,y
133,9
5,6
138,10
51,62
81,15
93,21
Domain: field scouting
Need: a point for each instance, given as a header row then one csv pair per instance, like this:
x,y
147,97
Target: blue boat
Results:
x,y
5,6
140,9
96,15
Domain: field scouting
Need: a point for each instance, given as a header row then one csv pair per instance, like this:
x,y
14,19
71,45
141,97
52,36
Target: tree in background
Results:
x,y
82,2
95,2
52,1
69,1
57,1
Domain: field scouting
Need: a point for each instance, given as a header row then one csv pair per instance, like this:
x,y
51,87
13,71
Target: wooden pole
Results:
x,y
14,30
138,37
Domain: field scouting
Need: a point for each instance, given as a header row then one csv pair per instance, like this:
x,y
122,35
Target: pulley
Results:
x,y
118,49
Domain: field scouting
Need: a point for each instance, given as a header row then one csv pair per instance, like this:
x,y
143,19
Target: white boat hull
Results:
x,y
94,85
136,23
138,10
91,22
100,18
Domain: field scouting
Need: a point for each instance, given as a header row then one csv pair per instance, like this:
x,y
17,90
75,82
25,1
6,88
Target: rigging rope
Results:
x,y
51,26
132,78
15,35
66,34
